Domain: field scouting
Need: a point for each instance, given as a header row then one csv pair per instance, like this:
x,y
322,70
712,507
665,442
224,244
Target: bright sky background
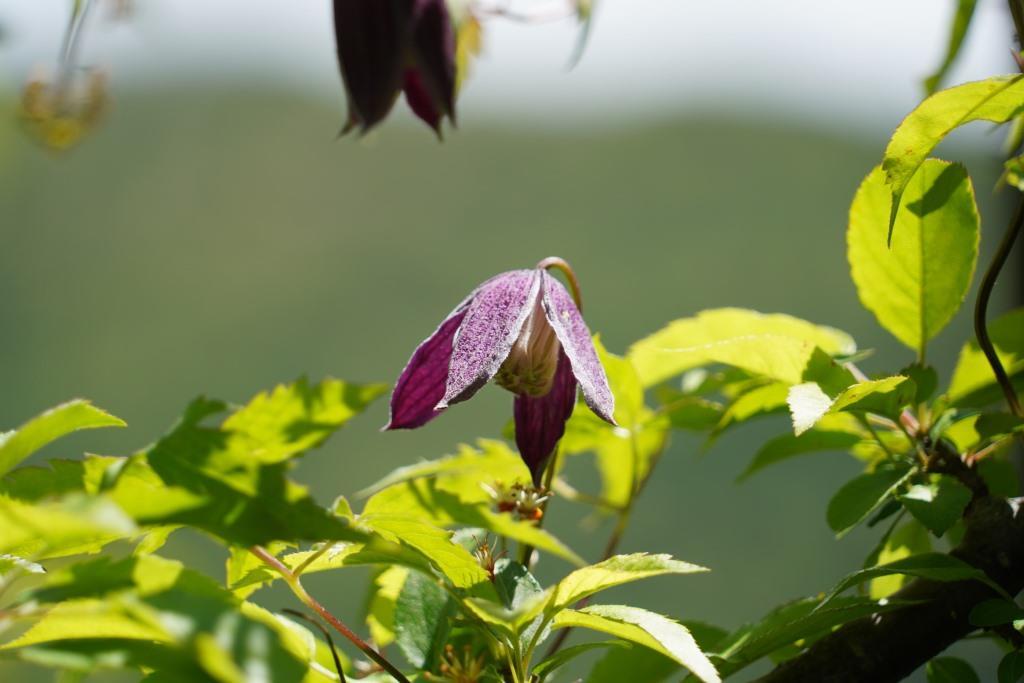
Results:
x,y
859,62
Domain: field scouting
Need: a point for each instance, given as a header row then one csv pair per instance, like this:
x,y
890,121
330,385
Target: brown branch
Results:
x,y
887,647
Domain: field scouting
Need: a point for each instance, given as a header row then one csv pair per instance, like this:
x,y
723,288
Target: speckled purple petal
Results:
x,y
496,314
575,337
540,422
421,384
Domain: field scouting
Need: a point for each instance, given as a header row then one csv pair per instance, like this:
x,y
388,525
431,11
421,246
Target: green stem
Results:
x,y
309,601
526,551
621,524
311,559
988,283
867,424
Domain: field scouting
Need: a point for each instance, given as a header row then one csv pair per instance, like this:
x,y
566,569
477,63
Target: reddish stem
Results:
x,y
293,582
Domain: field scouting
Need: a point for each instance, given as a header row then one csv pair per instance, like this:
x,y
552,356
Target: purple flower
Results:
x,y
522,329
389,46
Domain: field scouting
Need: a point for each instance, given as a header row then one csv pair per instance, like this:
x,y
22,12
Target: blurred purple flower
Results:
x,y
522,329
390,46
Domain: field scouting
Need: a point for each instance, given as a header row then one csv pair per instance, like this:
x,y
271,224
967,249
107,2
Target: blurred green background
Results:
x,y
220,240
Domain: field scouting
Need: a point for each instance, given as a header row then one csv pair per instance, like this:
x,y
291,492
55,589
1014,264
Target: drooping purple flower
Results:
x,y
390,46
522,329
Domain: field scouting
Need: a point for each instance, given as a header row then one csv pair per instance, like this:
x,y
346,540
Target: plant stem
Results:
x,y
309,601
526,552
621,524
311,559
327,636
561,264
988,283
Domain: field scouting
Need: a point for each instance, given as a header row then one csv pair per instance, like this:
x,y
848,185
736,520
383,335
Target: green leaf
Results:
x,y
938,503
293,418
957,31
624,452
380,613
615,571
950,670
925,379
515,621
424,499
547,666
995,612
931,566
800,620
997,99
833,433
422,620
1000,475
651,630
997,426
451,559
908,539
10,563
633,664
54,423
1011,667
623,455
463,472
514,583
154,613
973,382
725,336
70,526
692,413
807,403
861,496
762,400
245,501
916,285
520,593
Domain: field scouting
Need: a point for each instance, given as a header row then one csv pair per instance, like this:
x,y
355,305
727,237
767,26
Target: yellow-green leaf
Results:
x,y
54,423
651,630
615,571
995,99
688,342
973,382
915,286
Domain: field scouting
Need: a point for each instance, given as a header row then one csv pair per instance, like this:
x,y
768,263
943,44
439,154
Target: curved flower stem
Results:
x,y
562,265
988,283
309,601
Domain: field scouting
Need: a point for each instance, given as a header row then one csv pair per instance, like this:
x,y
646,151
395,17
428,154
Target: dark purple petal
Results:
x,y
433,50
421,384
420,101
572,332
540,422
373,39
496,314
